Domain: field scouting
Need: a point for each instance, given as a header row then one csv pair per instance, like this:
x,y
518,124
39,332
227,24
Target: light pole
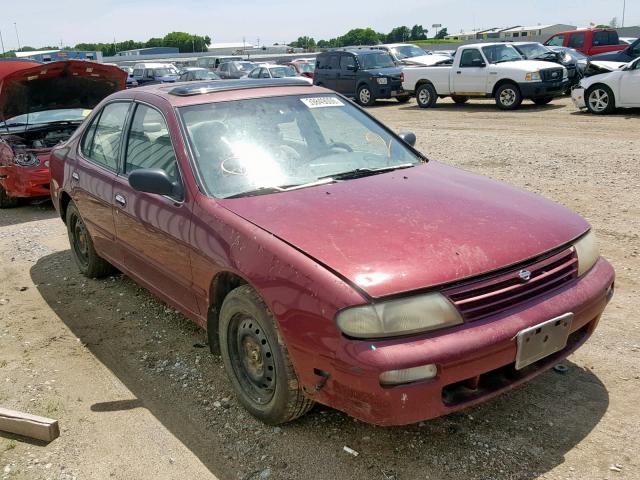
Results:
x,y
15,25
624,7
2,42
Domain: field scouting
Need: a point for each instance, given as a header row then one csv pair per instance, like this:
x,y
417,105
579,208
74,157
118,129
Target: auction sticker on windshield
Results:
x,y
319,102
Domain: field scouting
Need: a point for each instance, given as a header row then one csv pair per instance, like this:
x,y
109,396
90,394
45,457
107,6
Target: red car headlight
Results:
x,y
26,160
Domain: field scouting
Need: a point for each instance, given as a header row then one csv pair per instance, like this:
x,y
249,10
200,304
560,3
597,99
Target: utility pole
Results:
x,y
15,25
2,42
624,8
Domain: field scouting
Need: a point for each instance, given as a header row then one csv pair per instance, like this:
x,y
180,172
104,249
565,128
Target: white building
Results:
x,y
534,31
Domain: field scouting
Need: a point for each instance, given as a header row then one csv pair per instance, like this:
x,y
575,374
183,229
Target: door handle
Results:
x,y
75,176
121,200
458,72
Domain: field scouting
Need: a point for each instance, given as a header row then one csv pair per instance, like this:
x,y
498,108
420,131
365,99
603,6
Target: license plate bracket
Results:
x,y
540,341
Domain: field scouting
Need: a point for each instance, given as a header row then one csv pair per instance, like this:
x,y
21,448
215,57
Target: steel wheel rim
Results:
x,y
424,96
252,358
508,97
80,240
599,100
365,95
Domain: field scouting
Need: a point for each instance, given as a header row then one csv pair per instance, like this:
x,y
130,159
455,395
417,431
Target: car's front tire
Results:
x,y
426,95
508,97
600,100
83,252
365,97
256,359
5,200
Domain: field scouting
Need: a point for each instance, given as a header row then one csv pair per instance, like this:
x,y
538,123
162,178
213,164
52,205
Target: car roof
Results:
x,y
211,91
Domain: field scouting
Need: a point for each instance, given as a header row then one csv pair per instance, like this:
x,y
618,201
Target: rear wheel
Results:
x,y
365,96
600,100
89,262
508,97
426,95
459,99
542,101
256,359
5,200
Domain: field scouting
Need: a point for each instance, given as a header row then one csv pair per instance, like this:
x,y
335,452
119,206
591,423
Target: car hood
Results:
x,y
596,67
414,228
49,86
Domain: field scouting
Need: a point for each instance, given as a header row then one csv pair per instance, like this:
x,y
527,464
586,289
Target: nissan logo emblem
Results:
x,y
524,275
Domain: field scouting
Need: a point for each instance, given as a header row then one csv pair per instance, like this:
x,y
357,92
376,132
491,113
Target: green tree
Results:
x,y
359,36
307,43
442,33
418,33
399,34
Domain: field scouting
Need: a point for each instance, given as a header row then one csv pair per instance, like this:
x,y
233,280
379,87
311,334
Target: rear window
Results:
x,y
605,38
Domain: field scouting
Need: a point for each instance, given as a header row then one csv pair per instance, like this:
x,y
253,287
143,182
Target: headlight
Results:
x,y
531,76
587,251
26,160
405,316
566,58
382,80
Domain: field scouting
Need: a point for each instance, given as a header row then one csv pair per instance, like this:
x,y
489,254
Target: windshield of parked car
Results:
x,y
48,116
407,51
534,50
205,75
280,72
376,60
245,147
501,53
306,67
163,72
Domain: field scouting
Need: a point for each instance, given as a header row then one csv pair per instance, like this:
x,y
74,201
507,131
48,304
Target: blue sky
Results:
x,y
43,22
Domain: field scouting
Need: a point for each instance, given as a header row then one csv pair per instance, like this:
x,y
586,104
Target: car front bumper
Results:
x,y
543,89
577,95
475,361
25,182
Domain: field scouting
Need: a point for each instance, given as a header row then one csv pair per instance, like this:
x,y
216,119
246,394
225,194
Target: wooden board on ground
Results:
x,y
27,425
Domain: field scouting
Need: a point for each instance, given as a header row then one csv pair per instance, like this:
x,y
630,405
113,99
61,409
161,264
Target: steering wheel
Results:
x,y
340,146
231,166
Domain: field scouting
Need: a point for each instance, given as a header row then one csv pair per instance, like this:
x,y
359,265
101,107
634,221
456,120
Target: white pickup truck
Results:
x,y
487,70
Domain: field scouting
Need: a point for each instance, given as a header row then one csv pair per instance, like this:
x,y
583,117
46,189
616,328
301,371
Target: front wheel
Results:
x,y
508,97
5,200
426,95
89,262
600,100
542,101
365,97
256,359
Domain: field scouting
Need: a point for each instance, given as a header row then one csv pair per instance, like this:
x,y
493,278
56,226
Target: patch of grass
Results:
x,y
9,445
53,407
434,40
3,363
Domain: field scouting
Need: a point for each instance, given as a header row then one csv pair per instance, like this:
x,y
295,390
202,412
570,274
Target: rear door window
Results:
x,y
334,62
102,140
576,40
605,38
149,144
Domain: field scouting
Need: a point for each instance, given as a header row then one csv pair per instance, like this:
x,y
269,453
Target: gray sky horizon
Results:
x,y
43,23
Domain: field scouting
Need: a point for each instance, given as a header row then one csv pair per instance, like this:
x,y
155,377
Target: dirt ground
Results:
x,y
138,395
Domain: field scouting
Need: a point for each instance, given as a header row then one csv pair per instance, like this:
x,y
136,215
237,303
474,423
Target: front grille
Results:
x,y
488,296
551,74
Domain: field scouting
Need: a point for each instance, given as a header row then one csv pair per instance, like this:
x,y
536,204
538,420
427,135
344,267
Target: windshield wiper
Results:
x,y
283,188
365,172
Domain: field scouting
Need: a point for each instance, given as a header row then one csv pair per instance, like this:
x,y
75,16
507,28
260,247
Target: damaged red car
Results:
x,y
40,106
328,259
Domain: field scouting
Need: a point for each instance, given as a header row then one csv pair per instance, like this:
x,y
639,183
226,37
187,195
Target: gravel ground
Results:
x,y
139,396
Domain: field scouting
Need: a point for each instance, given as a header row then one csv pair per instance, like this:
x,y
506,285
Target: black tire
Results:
x,y
459,99
604,101
426,95
5,200
364,96
403,99
542,101
508,97
89,262
256,359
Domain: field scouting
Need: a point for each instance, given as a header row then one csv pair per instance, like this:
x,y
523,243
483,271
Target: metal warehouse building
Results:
x,y
59,55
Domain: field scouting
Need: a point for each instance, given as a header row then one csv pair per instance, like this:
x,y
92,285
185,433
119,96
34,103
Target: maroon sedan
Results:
x,y
304,69
328,259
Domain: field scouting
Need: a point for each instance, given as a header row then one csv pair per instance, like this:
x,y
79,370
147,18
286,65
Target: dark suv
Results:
x,y
366,75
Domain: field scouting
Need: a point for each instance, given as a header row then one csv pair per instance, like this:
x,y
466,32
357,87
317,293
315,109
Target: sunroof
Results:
x,y
200,88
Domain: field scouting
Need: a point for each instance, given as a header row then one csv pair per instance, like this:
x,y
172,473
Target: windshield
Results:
x,y
245,145
280,72
376,60
163,72
306,67
534,50
48,116
205,75
407,51
245,66
501,53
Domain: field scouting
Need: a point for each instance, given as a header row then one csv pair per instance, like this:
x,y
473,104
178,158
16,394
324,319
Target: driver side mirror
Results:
x,y
408,137
154,180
